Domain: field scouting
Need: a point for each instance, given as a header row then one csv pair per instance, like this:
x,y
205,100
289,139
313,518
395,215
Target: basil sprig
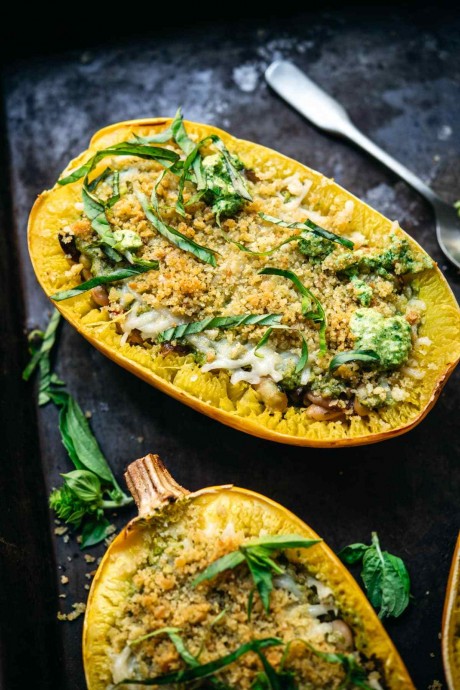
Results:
x,y
312,308
222,322
385,576
91,488
124,148
173,235
41,358
257,554
366,356
311,227
208,669
113,277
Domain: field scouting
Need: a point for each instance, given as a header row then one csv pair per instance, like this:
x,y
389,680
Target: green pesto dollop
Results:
x,y
221,194
389,337
399,258
363,291
126,239
316,248
378,397
328,386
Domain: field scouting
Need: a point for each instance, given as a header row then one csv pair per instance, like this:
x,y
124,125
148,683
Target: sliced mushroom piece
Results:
x,y
343,631
100,296
321,414
318,400
273,397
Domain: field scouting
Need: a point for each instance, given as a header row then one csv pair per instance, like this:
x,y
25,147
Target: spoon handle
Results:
x,y
326,113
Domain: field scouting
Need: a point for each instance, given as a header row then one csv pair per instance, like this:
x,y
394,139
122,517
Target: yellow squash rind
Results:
x,y
451,624
239,406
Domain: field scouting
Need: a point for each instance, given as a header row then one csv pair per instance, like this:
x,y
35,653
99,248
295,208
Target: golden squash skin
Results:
x,y
220,505
239,406
451,624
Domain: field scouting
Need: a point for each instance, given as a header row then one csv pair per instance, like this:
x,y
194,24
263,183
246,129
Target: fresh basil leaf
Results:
x,y
264,339
116,275
353,553
94,531
160,138
227,562
92,207
205,670
86,485
310,227
222,322
384,575
187,145
41,356
302,363
124,148
115,190
262,575
311,307
93,185
366,356
276,680
174,236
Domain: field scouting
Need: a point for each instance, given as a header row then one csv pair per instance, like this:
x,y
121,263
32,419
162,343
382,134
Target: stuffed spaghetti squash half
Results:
x,y
245,284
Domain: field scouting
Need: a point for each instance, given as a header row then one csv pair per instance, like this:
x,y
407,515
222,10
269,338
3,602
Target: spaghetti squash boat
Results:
x,y
245,284
224,588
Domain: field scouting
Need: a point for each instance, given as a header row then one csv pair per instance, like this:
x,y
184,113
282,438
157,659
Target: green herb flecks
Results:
x,y
311,227
191,660
365,356
124,148
173,235
205,670
91,488
116,275
258,556
385,576
355,674
312,308
221,322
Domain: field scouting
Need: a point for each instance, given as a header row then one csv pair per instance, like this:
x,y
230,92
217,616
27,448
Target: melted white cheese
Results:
x,y
244,363
123,666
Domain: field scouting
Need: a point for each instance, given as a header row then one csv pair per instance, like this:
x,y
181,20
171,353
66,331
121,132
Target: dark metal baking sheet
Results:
x,y
398,75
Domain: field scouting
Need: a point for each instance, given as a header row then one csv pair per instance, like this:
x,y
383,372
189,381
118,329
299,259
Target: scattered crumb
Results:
x,y
109,540
62,596
59,531
69,558
140,439
432,654
64,579
88,558
87,587
65,538
57,522
79,608
88,414
439,635
427,592
435,685
99,560
79,538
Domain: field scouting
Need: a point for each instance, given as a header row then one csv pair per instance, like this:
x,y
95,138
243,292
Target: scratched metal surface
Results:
x,y
399,77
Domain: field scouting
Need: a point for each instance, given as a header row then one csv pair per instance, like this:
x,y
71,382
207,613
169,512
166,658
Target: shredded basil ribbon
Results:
x,y
205,670
367,356
173,235
124,148
119,274
221,322
311,227
317,315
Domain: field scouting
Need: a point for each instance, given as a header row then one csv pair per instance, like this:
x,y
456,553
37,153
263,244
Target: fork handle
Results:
x,y
326,113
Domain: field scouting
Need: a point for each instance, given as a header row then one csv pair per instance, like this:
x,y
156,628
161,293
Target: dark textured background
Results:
x,y
398,74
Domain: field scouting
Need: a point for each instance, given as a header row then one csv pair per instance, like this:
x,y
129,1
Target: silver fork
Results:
x,y
327,114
